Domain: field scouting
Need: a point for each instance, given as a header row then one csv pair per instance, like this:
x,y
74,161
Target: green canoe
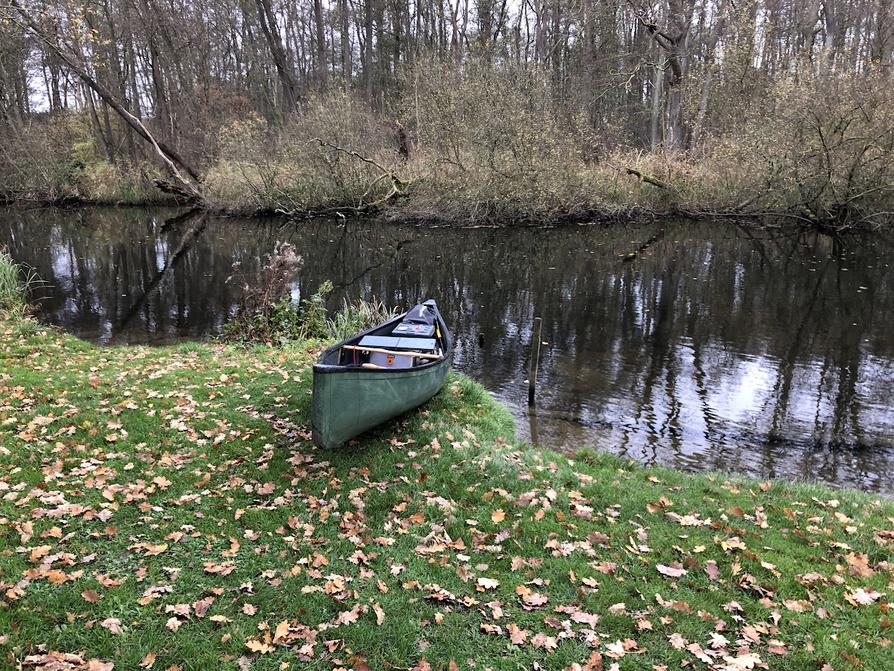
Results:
x,y
357,387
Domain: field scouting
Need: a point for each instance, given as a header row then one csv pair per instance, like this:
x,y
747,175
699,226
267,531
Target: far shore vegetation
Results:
x,y
491,147
164,508
491,114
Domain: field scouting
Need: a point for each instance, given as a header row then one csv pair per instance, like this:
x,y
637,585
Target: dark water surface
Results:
x,y
768,352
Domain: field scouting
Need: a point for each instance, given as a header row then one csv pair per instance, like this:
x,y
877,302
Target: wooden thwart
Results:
x,y
418,355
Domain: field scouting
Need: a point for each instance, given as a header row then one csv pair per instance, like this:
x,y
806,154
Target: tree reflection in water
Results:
x,y
700,346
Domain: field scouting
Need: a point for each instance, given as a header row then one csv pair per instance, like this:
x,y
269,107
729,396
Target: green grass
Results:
x,y
358,316
137,482
14,283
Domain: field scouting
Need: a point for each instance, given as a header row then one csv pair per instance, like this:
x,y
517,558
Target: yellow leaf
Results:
x,y
154,550
56,577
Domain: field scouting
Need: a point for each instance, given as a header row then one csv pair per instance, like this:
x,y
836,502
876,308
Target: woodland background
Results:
x,y
464,111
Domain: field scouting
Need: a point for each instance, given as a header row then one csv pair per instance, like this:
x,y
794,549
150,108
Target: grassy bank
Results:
x,y
163,508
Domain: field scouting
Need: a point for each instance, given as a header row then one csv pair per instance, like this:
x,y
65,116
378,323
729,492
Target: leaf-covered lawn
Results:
x,y
163,508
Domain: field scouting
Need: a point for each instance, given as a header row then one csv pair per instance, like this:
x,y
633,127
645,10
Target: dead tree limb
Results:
x,y
351,152
361,207
187,187
645,178
641,176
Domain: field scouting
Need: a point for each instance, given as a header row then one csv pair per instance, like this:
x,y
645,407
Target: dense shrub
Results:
x,y
260,167
41,164
55,158
492,144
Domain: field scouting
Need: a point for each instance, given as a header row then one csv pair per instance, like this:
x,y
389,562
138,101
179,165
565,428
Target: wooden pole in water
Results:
x,y
535,357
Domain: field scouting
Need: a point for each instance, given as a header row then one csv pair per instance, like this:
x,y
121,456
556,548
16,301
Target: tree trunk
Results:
x,y
673,40
277,51
368,76
708,76
657,97
322,70
346,61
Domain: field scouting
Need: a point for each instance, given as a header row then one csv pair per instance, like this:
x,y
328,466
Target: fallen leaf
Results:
x,y
200,607
282,630
675,570
113,624
258,646
541,640
517,635
797,605
487,583
862,597
90,595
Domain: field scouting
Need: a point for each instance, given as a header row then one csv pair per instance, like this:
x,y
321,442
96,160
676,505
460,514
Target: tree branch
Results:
x,y
188,188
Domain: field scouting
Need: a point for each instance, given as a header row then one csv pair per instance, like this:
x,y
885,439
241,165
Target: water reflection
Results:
x,y
692,345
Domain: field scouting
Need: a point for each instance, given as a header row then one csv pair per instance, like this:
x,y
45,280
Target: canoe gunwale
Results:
x,y
328,369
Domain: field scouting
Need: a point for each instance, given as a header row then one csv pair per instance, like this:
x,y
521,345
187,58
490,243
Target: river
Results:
x,y
700,346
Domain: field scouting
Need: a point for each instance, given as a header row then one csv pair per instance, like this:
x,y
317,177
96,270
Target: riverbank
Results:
x,y
488,149
164,506
598,195
400,215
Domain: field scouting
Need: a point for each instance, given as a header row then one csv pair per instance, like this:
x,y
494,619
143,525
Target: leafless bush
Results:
x,y
290,170
265,311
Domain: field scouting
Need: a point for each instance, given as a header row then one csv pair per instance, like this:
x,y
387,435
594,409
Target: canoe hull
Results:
x,y
347,402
